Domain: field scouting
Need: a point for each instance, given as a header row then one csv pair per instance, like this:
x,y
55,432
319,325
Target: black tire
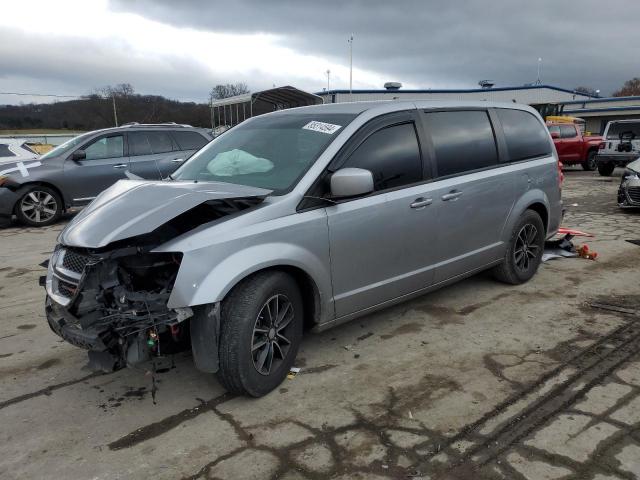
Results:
x,y
514,270
606,169
590,163
39,206
241,321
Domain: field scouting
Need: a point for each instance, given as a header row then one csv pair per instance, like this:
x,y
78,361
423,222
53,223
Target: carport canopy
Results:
x,y
231,111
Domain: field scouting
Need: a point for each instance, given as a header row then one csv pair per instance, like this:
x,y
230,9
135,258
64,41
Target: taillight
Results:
x,y
560,174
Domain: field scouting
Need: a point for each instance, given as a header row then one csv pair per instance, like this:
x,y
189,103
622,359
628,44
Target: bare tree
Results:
x,y
629,89
586,90
121,90
228,90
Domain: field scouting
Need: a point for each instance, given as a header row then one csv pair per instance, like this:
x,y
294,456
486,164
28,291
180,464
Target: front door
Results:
x,y
382,244
104,165
570,144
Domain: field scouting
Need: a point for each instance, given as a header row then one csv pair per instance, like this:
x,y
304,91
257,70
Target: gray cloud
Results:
x,y
425,43
436,43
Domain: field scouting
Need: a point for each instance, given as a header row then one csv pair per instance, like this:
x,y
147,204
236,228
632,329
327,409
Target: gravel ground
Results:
x,y
478,380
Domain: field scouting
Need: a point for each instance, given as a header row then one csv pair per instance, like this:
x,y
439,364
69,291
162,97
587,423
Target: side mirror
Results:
x,y
351,182
78,155
555,135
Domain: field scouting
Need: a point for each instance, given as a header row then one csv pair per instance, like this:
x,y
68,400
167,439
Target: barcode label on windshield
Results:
x,y
322,127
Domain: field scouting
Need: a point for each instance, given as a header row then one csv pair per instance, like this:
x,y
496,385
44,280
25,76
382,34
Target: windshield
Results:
x,y
66,146
271,152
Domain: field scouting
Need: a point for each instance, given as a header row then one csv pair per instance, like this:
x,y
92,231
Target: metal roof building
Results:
x,y
598,111
227,112
530,95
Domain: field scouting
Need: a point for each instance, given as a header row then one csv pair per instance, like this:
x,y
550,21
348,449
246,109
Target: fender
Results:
x,y
215,285
531,197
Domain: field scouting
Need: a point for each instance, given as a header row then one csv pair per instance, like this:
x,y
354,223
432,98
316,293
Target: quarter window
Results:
x,y
524,134
105,147
568,131
463,141
392,155
189,140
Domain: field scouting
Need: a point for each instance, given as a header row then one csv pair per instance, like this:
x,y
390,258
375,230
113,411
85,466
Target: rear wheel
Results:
x,y
590,163
39,206
260,332
524,252
606,169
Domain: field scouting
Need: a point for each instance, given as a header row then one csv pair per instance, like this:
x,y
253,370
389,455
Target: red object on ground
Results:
x,y
575,233
584,252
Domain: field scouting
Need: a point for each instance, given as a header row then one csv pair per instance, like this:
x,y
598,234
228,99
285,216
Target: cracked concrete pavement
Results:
x,y
478,380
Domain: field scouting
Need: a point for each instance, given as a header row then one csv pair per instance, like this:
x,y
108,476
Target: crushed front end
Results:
x,y
114,304
629,190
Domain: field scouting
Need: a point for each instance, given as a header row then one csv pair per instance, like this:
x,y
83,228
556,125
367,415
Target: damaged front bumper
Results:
x,y
629,190
114,304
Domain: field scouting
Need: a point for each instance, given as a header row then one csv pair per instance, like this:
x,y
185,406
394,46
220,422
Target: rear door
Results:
x,y
474,194
151,152
188,143
571,144
382,244
105,163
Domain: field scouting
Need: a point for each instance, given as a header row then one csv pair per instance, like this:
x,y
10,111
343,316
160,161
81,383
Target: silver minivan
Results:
x,y
300,220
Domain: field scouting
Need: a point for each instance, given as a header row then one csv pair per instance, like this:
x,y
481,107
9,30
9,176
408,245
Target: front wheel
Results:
x,y
39,206
524,251
606,169
260,331
590,163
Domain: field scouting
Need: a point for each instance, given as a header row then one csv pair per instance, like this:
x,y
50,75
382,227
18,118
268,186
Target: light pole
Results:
x,y
350,63
539,81
328,75
115,114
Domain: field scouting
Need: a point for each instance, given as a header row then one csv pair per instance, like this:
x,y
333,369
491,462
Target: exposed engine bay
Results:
x,y
112,300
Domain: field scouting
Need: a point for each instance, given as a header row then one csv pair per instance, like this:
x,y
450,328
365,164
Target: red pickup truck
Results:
x,y
573,147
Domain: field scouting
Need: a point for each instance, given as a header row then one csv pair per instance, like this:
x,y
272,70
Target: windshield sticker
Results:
x,y
322,127
22,168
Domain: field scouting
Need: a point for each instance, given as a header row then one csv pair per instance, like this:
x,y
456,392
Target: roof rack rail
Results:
x,y
165,124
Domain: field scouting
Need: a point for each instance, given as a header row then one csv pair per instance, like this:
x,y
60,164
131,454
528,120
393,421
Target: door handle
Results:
x,y
421,202
177,160
120,165
451,196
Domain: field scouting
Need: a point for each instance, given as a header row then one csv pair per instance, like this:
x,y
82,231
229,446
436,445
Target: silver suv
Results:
x,y
307,217
38,191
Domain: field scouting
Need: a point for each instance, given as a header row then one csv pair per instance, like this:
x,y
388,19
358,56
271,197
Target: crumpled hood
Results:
x,y
635,165
133,207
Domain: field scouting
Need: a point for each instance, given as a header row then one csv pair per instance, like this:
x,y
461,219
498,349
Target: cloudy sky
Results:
x,y
180,49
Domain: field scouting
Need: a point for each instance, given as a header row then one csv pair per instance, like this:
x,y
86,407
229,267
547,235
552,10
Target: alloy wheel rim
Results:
x,y
526,250
39,206
270,343
592,162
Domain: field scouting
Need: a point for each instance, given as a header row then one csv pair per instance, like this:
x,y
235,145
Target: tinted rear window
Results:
x,y
568,131
189,140
617,130
526,137
161,142
463,141
138,144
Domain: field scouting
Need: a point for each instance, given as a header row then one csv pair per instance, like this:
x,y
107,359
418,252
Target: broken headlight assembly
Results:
x,y
115,304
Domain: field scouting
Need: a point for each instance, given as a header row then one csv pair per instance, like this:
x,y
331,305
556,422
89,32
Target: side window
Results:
x,y
106,147
161,142
554,129
189,140
568,131
524,134
392,155
138,144
463,141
